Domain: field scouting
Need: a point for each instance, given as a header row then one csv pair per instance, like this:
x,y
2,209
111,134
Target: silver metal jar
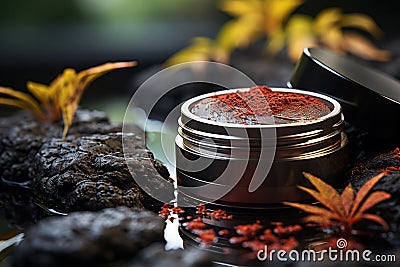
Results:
x,y
316,146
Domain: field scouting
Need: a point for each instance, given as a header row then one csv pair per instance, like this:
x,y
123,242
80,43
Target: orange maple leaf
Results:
x,y
343,209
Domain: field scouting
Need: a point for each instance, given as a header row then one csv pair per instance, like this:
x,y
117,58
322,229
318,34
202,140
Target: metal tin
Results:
x,y
370,98
316,146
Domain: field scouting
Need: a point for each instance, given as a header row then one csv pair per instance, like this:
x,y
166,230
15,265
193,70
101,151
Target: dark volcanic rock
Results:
x,y
18,208
104,238
22,135
390,209
86,171
156,256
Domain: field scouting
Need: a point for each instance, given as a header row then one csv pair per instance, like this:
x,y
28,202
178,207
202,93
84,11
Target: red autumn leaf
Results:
x,y
342,210
373,199
347,197
364,190
321,221
321,212
328,196
375,218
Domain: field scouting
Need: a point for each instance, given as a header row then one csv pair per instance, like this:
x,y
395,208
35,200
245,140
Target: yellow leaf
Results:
x,y
200,49
67,95
276,11
62,96
275,42
71,85
241,7
299,35
85,77
21,100
299,25
363,22
239,33
296,47
364,48
333,40
326,20
42,92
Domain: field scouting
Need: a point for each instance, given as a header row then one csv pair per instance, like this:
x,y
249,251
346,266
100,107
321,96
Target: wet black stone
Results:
x,y
86,171
19,210
155,255
389,209
108,237
22,135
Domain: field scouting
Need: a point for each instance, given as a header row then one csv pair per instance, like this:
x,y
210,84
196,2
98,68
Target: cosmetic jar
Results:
x,y
274,150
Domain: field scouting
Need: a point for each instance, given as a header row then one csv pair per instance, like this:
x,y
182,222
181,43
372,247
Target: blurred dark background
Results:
x,y
41,38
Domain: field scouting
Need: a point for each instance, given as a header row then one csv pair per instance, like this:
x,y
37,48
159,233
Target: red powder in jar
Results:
x,y
258,104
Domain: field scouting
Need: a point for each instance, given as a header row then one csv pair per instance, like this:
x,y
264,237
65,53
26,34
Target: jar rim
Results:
x,y
185,109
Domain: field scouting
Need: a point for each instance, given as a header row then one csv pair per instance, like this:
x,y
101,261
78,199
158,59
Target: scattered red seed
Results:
x,y
207,236
285,230
249,230
249,235
269,237
177,210
171,180
201,209
396,153
238,239
196,224
165,211
223,232
249,238
216,214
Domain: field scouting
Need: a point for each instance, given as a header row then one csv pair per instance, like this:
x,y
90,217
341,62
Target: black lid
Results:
x,y
370,99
